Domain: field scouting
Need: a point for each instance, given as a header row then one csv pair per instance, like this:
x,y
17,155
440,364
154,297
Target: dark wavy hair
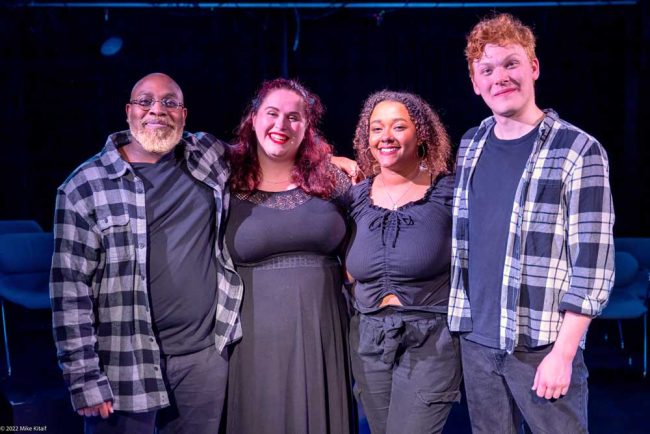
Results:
x,y
311,171
430,132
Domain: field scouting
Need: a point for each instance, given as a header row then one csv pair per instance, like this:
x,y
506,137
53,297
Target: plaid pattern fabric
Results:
x,y
98,283
560,251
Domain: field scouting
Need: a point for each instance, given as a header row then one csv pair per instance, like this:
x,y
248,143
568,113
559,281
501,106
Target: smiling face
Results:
x,y
157,129
280,124
392,137
505,77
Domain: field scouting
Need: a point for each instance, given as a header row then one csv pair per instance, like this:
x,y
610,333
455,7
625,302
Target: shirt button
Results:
x,y
151,339
141,245
138,189
156,368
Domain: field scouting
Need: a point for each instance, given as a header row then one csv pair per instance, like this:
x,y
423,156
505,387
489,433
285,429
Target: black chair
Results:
x,y
25,260
628,298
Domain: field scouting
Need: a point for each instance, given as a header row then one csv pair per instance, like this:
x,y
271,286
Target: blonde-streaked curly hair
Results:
x,y
430,132
501,29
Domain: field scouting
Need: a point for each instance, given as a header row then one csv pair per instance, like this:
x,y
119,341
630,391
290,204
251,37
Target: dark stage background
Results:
x,y
62,97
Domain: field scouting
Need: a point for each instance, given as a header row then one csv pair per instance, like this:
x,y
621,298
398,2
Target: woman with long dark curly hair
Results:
x,y
405,362
290,371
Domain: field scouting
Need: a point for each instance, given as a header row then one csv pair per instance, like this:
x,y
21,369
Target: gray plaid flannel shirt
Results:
x,y
560,251
98,283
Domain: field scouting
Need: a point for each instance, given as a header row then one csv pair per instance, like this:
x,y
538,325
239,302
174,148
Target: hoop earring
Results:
x,y
374,165
422,151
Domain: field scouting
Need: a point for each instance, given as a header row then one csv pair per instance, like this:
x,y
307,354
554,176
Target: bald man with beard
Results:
x,y
144,296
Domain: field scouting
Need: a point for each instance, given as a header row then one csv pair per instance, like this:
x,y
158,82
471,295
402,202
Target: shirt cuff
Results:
x,y
91,393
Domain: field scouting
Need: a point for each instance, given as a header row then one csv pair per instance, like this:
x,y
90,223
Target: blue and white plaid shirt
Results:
x,y
98,285
560,249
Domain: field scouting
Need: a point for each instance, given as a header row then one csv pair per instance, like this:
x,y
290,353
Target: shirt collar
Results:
x,y
113,161
550,118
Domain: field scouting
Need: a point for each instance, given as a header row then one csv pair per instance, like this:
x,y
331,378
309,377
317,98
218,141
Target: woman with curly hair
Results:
x,y
405,362
290,372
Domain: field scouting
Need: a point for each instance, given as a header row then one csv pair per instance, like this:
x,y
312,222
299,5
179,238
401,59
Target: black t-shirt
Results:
x,y
491,198
181,259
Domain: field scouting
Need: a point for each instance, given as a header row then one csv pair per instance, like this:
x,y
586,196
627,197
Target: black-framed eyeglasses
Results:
x,y
147,103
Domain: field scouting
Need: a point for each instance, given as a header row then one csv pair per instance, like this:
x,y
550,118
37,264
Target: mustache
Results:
x,y
159,121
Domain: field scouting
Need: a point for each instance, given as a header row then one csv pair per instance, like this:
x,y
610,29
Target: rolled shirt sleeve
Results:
x,y
590,233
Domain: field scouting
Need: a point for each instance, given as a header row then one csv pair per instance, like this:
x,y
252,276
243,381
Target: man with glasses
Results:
x,y
532,246
144,295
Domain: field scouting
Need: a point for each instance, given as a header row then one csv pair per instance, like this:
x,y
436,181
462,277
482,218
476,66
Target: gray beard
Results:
x,y
157,141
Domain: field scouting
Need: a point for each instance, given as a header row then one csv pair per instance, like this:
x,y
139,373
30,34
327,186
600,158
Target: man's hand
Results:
x,y
553,375
350,167
104,410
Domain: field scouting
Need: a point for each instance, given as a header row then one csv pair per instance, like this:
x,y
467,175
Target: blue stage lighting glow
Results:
x,y
111,46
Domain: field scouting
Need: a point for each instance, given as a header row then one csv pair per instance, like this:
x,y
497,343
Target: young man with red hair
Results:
x,y
532,251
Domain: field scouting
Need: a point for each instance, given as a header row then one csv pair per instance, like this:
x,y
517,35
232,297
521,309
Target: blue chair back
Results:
x,y
25,260
19,226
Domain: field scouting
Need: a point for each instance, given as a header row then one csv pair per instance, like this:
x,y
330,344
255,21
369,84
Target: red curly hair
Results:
x,y
501,29
311,172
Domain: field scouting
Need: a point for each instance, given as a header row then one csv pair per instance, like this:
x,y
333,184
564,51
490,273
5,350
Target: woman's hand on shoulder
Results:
x,y
349,167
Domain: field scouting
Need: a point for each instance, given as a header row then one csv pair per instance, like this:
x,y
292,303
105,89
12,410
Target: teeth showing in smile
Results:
x,y
155,124
279,138
388,150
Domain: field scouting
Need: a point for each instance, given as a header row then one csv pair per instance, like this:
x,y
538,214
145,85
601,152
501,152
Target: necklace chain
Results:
x,y
395,202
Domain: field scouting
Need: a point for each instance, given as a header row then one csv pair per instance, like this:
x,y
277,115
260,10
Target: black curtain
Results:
x,y
62,97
